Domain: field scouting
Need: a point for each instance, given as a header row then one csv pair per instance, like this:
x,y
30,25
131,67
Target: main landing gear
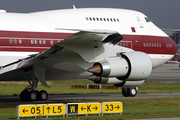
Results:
x,y
30,93
33,95
129,92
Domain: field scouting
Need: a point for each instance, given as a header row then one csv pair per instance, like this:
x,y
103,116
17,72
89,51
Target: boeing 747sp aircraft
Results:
x,y
107,46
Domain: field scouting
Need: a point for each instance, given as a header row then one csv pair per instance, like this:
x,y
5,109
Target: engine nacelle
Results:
x,y
115,81
131,66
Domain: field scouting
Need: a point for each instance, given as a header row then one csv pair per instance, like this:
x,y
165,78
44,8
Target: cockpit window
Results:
x,y
147,19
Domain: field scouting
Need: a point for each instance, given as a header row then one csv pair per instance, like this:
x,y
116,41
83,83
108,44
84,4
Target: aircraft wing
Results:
x,y
87,45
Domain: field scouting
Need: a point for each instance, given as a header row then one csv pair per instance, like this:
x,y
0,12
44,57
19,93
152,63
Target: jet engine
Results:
x,y
131,66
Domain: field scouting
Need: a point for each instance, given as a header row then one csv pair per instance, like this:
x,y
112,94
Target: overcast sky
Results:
x,y
164,13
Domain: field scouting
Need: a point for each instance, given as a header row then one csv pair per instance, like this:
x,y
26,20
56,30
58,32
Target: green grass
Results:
x,y
63,87
132,109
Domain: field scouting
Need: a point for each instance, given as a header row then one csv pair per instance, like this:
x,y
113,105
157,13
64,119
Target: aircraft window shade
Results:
x,y
44,41
101,19
104,19
107,19
149,44
117,19
146,44
11,41
97,19
154,44
15,41
94,19
90,18
20,41
35,41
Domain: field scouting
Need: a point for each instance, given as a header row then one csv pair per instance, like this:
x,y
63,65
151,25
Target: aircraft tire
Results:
x,y
23,96
43,95
33,95
125,92
132,92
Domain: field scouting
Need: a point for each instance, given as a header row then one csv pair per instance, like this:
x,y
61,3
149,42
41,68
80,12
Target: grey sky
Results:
x,y
164,13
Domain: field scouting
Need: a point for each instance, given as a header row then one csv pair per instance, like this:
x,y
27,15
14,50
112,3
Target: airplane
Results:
x,y
105,45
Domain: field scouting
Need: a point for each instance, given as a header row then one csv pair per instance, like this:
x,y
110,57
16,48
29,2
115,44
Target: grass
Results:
x,y
132,108
63,87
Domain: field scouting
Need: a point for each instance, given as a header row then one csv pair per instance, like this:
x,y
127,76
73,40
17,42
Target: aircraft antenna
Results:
x,y
74,6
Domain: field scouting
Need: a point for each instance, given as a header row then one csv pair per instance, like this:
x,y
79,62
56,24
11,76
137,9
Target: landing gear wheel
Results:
x,y
125,92
23,96
43,95
33,95
132,92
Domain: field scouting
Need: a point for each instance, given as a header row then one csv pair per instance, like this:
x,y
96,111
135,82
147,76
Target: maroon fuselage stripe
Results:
x,y
136,42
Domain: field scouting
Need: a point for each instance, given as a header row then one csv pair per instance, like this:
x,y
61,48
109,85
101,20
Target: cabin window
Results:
x,y
11,41
94,19
20,41
120,43
101,19
117,19
147,44
40,42
107,19
127,44
97,19
154,44
44,41
52,42
144,44
35,41
15,41
86,18
147,19
114,20
123,43
159,44
32,42
90,18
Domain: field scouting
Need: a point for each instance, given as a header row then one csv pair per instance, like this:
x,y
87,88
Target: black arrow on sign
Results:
x,y
82,108
48,108
24,110
117,107
95,108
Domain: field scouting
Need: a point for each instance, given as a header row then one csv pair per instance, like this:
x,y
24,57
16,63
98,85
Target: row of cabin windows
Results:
x,y
169,45
123,43
102,19
32,41
152,44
